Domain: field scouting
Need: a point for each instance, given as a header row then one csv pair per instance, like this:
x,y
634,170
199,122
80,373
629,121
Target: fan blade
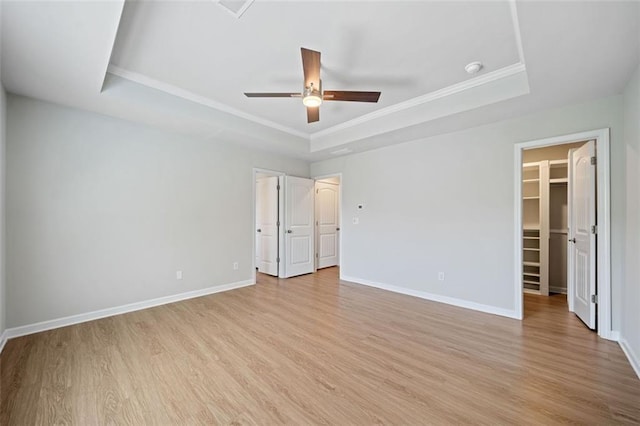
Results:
x,y
313,114
311,67
350,96
272,95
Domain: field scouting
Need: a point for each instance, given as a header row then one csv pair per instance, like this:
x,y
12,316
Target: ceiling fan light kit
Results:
x,y
312,94
311,97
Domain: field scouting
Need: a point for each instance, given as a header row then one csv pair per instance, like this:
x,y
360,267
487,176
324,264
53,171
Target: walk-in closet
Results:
x,y
545,206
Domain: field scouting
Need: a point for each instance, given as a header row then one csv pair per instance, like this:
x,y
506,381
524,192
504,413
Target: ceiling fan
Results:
x,y
313,95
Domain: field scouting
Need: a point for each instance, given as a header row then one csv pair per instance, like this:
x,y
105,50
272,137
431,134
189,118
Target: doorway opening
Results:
x,y
327,221
267,212
563,224
297,223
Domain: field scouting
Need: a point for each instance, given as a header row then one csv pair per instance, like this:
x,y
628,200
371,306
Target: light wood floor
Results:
x,y
309,350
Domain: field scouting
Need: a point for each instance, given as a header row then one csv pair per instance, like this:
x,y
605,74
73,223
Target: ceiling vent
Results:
x,y
235,7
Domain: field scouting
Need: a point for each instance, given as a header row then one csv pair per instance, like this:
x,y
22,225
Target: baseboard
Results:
x,y
559,290
3,340
435,297
633,357
109,312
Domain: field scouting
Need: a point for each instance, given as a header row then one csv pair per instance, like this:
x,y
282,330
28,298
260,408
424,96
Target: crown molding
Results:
x,y
429,97
202,100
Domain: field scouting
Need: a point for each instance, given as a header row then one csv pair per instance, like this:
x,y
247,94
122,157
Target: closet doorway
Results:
x,y
268,208
327,207
296,223
562,219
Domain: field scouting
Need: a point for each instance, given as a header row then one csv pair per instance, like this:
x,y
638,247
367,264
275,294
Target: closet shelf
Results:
x,y
532,274
559,180
530,249
530,180
531,282
531,263
531,198
530,165
530,238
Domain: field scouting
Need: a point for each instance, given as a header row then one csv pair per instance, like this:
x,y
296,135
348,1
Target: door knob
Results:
x,y
259,230
572,240
337,229
289,231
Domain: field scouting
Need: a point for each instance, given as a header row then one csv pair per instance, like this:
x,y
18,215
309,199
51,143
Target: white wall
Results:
x,y
446,203
3,298
3,127
102,212
630,330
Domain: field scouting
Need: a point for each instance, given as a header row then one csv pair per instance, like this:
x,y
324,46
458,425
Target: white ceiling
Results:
x,y
184,66
203,49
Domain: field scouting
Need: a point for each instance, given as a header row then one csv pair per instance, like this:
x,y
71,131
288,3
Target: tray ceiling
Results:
x,y
403,49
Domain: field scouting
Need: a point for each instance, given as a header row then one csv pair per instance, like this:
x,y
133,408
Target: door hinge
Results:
x,y
317,191
593,161
278,187
594,229
277,260
594,298
316,255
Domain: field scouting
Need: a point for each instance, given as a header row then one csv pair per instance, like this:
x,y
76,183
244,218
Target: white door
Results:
x,y
298,224
267,225
581,234
327,224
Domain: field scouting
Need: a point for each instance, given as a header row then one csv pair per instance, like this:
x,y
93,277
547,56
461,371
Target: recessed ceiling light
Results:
x,y
473,67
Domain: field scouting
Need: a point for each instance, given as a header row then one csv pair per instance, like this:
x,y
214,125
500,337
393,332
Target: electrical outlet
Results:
x,y
440,276
235,266
178,275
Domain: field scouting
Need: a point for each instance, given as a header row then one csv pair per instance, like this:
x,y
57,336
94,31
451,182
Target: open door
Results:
x,y
299,241
267,225
582,233
327,223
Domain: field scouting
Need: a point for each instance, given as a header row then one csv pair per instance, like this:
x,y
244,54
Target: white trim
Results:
x,y
434,297
429,97
633,357
3,340
603,178
517,211
118,310
202,100
144,80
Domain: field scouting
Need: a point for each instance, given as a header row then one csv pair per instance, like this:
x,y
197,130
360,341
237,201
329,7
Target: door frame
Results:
x,y
603,206
340,216
254,173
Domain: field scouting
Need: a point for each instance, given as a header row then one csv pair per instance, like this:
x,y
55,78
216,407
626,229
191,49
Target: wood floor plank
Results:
x,y
314,350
